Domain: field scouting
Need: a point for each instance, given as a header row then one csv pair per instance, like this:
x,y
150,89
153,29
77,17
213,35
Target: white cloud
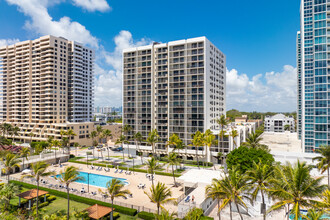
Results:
x,y
108,84
93,5
43,24
272,91
5,42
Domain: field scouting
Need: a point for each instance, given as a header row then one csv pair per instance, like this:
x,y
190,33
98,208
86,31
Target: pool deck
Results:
x,y
139,198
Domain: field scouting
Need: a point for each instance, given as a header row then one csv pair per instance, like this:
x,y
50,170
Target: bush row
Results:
x,y
193,162
146,215
125,168
120,209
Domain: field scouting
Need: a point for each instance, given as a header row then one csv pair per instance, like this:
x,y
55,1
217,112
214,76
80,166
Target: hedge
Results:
x,y
125,168
116,215
120,209
146,215
206,218
51,198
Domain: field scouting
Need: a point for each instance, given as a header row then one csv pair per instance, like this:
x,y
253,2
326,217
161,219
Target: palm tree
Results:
x,y
160,195
173,141
39,169
222,122
197,141
209,140
68,176
24,153
10,161
234,134
293,185
165,215
76,145
152,165
106,133
70,133
56,143
173,160
138,138
122,140
215,192
152,139
31,135
7,192
287,127
234,186
314,214
324,160
115,190
194,214
253,140
259,177
15,131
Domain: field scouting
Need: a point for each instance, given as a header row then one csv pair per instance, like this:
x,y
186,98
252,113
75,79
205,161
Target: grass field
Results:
x,y
61,204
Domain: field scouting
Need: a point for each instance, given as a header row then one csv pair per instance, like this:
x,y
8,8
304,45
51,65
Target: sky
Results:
x,y
258,38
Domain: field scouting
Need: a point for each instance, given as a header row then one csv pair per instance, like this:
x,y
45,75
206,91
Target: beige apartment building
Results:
x,y
47,85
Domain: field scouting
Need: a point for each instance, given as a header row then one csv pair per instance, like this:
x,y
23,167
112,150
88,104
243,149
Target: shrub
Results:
x,y
44,144
51,198
243,158
146,215
123,210
116,215
41,205
206,218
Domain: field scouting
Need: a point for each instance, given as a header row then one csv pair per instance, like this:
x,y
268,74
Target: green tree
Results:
x,y
122,140
173,160
160,195
165,215
253,140
106,134
259,176
194,214
314,214
138,138
209,140
324,160
152,139
175,142
39,169
115,190
243,158
31,135
234,134
68,176
215,192
152,165
10,162
55,144
70,133
287,127
24,153
222,122
293,185
234,185
7,192
197,142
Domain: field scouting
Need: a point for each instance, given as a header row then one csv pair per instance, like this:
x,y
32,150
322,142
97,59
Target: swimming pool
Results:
x,y
97,179
304,212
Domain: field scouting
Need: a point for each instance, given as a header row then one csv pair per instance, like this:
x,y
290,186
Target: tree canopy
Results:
x,y
243,158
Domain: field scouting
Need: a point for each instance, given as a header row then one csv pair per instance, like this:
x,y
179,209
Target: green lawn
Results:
x,y
61,203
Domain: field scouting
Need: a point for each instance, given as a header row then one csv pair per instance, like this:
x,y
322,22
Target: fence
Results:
x,y
89,196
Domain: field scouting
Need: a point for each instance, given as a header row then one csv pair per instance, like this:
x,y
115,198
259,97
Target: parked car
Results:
x,y
91,148
118,149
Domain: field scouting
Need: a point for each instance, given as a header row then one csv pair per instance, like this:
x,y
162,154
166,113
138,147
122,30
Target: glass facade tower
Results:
x,y
313,66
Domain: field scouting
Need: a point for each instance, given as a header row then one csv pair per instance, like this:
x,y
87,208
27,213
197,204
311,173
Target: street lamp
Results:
x,y
88,182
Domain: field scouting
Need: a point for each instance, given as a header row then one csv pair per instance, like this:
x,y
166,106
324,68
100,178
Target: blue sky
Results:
x,y
258,38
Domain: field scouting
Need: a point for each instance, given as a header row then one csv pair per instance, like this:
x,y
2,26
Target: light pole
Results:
x,y
88,182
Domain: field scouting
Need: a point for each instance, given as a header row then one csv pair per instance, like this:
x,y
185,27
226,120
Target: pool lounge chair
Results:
x,y
187,199
130,172
116,171
121,171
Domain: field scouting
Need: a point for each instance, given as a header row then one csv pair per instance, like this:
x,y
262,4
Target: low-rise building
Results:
x,y
279,123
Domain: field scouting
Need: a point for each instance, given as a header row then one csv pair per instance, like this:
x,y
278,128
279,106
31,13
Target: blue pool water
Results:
x,y
97,180
304,212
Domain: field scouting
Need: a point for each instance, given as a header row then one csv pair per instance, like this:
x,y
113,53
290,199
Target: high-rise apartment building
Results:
x,y
313,74
175,87
46,81
299,87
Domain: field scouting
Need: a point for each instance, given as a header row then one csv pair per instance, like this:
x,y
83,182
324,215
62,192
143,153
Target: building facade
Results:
x,y
278,123
176,87
313,55
46,81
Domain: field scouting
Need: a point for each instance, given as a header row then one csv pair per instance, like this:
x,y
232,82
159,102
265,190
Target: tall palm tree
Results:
x,y
160,195
152,165
294,185
138,138
165,215
197,141
194,214
222,122
68,176
234,186
173,141
215,192
209,140
122,140
56,143
152,139
106,133
15,131
24,153
115,190
31,135
70,133
7,192
173,160
324,160
76,145
10,161
314,214
39,169
259,176
253,140
234,134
